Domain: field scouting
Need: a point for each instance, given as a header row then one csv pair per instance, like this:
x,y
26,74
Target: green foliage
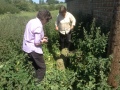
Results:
x,y
94,41
15,6
25,6
88,68
52,1
22,6
50,7
8,8
88,61
16,71
41,1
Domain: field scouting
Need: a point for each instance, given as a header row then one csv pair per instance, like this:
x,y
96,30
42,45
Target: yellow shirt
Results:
x,y
64,23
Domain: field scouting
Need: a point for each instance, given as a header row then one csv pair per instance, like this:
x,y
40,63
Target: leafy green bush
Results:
x,y
50,7
8,8
24,6
88,62
39,7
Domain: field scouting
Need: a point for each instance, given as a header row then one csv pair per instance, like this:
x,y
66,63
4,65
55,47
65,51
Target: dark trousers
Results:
x,y
38,64
65,40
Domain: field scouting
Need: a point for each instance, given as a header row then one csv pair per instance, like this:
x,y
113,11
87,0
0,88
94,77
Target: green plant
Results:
x,y
88,61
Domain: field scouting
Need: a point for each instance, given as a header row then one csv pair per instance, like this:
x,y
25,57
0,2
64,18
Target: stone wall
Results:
x,y
99,9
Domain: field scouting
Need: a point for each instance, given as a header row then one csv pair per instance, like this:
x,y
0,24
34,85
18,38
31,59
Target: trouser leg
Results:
x,y
68,40
62,41
39,64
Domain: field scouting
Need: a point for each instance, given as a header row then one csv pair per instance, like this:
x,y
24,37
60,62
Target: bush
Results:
x,y
39,7
8,8
22,6
50,7
88,61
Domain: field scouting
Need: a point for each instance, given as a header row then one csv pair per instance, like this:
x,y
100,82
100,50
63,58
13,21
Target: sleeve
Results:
x,y
57,21
73,20
37,30
37,39
38,36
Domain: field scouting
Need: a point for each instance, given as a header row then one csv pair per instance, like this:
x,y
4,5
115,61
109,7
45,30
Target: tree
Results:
x,y
114,48
41,1
52,1
31,1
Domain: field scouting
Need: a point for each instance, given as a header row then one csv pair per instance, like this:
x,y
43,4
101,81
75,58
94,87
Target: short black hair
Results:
x,y
44,14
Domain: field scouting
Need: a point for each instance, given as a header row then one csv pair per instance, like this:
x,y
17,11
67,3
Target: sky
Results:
x,y
37,1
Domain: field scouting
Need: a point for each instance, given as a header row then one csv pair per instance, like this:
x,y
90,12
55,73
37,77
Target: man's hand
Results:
x,y
45,40
71,28
56,28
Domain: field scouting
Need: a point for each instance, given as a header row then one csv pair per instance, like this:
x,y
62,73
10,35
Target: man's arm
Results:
x,y
73,21
56,23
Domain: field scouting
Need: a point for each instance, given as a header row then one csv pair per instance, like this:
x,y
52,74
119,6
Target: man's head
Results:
x,y
62,10
44,16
